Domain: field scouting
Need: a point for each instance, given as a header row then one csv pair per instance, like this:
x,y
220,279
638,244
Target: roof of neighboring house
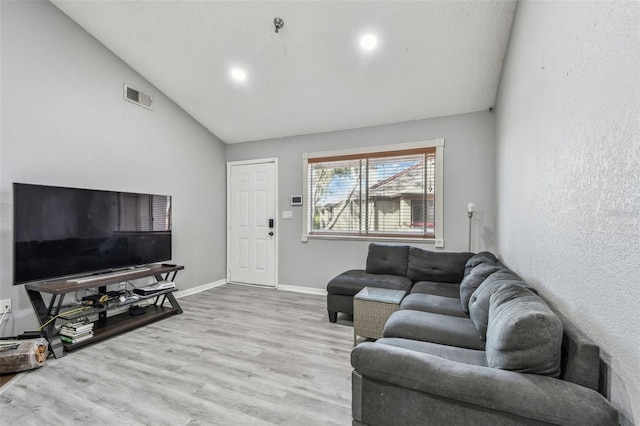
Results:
x,y
410,181
405,183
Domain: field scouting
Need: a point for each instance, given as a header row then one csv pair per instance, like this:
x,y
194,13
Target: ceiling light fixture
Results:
x,y
238,74
368,42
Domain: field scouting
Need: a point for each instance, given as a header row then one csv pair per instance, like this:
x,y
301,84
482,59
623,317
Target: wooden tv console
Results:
x,y
106,326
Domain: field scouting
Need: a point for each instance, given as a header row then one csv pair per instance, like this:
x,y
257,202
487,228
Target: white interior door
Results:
x,y
252,222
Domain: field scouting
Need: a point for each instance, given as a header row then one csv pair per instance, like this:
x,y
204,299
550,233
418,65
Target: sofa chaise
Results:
x,y
398,268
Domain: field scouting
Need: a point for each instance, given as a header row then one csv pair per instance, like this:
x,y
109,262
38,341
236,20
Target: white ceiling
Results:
x,y
434,58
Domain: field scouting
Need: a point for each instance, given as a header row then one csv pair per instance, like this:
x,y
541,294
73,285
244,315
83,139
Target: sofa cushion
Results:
x,y
472,281
523,334
479,301
437,289
434,328
434,304
425,265
351,282
387,260
464,355
477,259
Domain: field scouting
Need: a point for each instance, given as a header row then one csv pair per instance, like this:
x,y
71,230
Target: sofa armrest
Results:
x,y
531,396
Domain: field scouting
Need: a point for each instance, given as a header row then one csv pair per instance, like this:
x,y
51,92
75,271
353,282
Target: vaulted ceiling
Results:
x,y
433,58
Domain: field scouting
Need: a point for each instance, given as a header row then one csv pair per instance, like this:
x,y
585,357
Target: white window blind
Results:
x,y
373,194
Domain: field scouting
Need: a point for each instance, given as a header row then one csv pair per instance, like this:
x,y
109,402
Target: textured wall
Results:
x,y
64,123
469,174
568,181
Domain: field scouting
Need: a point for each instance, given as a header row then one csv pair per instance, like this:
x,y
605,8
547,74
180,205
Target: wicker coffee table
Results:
x,y
372,307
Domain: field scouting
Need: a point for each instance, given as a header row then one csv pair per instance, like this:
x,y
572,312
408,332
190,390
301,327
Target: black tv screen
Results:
x,y
62,232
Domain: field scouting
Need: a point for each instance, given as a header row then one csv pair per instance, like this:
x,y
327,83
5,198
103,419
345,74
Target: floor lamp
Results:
x,y
470,210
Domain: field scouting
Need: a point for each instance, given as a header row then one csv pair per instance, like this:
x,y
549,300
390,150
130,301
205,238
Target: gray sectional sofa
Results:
x,y
482,350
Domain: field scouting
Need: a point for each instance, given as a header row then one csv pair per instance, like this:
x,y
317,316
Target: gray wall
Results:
x,y
64,122
568,184
468,177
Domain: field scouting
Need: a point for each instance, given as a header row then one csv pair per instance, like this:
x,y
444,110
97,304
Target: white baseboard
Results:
x,y
198,289
299,289
283,287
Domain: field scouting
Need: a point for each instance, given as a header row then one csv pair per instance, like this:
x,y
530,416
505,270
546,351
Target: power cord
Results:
x,y
73,311
7,309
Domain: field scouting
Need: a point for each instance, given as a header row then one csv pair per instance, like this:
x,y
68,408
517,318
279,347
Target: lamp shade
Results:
x,y
471,207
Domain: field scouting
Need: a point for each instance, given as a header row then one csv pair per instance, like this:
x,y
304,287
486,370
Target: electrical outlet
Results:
x,y
5,306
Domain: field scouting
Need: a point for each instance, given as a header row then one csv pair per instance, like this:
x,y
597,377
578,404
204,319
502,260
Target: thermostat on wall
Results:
x,y
296,200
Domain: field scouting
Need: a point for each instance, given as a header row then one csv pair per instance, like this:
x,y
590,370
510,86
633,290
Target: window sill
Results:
x,y
375,238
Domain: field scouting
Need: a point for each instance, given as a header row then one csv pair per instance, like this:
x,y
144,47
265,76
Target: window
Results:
x,y
378,192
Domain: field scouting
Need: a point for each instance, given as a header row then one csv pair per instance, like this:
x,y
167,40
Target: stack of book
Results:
x,y
74,332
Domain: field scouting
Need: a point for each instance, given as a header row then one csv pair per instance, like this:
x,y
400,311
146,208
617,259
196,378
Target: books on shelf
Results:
x,y
73,333
76,339
77,331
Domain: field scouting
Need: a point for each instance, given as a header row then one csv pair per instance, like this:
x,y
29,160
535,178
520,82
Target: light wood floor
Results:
x,y
238,355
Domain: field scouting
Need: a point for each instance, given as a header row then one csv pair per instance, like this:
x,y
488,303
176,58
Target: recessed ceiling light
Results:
x,y
238,74
368,42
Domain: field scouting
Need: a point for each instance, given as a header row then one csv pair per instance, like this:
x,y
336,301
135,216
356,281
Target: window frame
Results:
x,y
438,144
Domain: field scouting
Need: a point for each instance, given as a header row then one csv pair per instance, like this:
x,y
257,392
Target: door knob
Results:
x,y
271,233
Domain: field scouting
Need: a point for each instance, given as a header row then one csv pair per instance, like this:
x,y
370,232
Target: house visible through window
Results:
x,y
389,194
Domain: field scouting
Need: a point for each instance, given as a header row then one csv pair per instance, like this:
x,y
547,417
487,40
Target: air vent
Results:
x,y
137,97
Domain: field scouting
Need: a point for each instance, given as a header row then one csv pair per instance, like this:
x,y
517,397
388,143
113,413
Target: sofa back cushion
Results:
x,y
479,300
475,278
477,259
523,334
442,267
387,260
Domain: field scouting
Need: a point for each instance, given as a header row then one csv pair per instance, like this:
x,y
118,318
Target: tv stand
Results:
x,y
92,278
105,326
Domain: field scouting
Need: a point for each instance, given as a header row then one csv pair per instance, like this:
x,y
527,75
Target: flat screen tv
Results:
x,y
66,232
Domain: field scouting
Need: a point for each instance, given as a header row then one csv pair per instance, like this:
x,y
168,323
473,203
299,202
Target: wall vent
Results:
x,y
137,97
